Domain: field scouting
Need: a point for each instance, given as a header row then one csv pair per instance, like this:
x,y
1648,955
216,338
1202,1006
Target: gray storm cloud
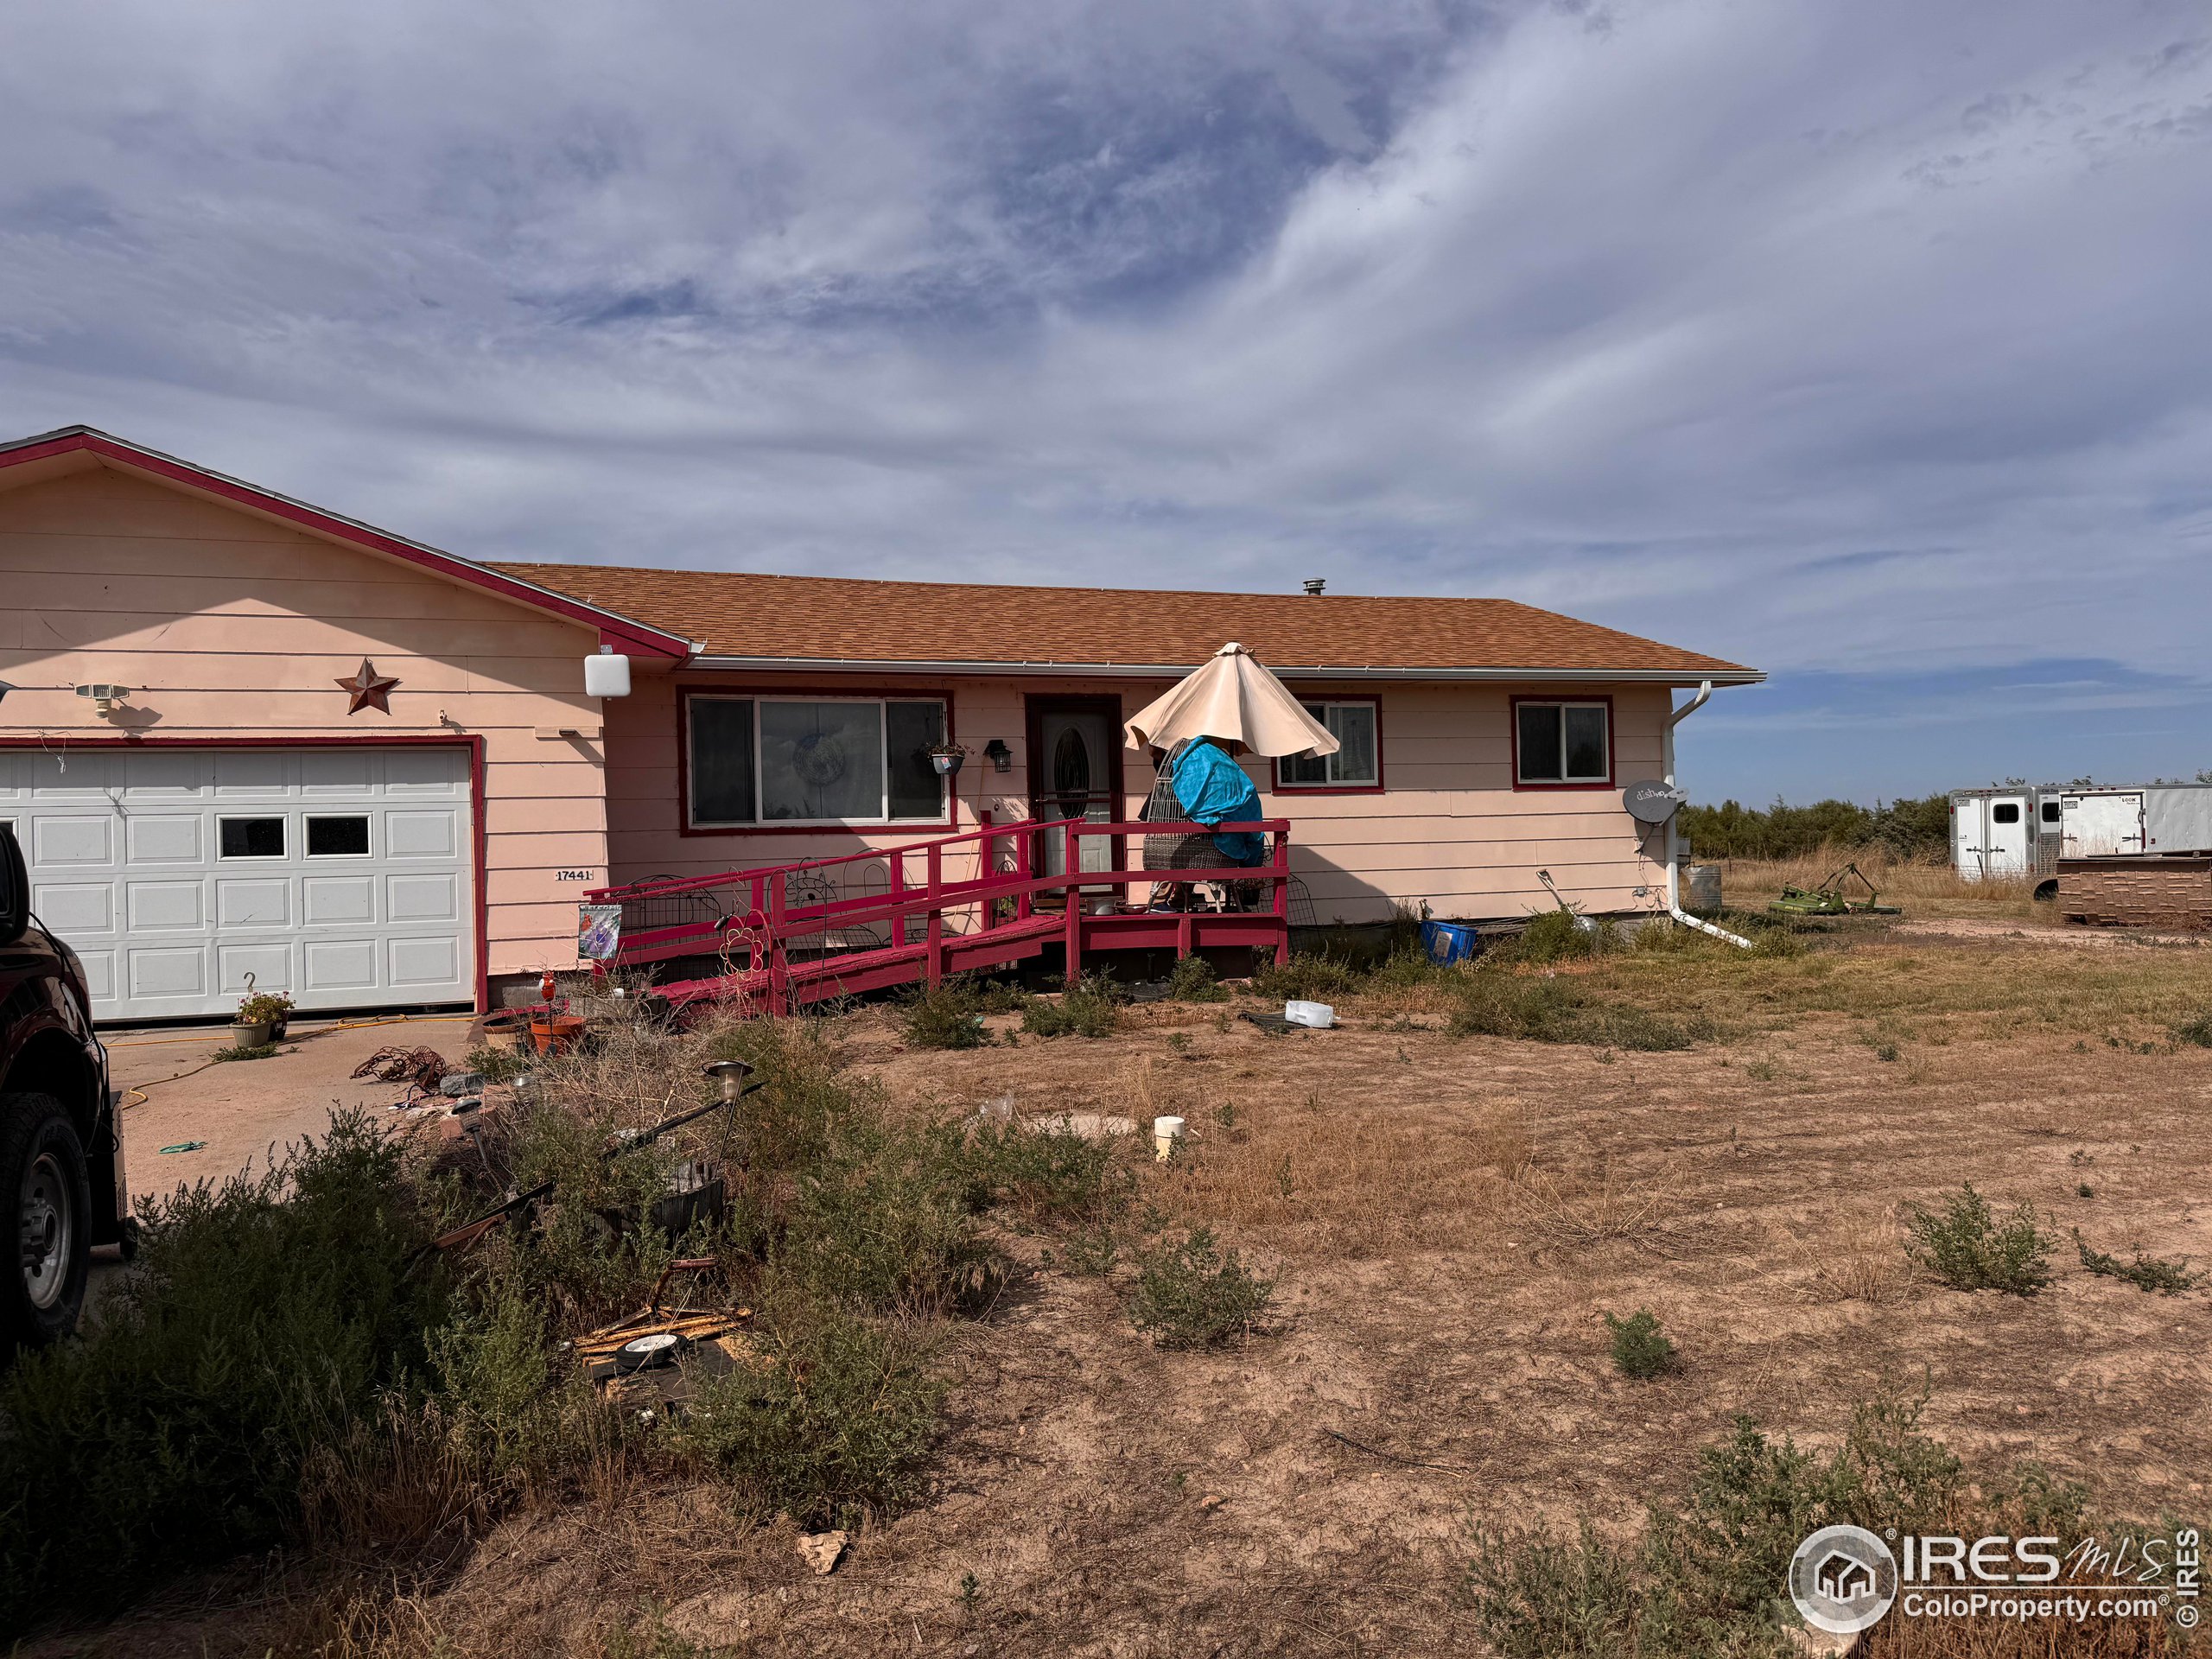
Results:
x,y
1816,335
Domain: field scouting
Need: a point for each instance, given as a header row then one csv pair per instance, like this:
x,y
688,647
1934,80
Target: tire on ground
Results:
x,y
47,1191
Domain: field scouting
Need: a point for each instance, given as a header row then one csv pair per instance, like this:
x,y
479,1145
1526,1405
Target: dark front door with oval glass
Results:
x,y
1075,772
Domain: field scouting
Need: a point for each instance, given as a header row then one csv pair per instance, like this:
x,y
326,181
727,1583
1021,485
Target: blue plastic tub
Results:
x,y
1447,941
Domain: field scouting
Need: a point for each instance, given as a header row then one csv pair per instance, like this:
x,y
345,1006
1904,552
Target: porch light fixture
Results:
x,y
1000,756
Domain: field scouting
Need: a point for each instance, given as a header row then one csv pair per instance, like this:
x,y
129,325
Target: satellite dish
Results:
x,y
1653,802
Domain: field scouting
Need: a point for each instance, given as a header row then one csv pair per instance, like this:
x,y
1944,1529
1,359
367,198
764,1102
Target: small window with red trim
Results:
x,y
1358,763
1562,743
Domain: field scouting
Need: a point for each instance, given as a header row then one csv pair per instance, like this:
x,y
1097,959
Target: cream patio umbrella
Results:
x,y
1232,697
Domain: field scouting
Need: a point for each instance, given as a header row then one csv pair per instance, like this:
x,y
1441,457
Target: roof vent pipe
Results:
x,y
1314,585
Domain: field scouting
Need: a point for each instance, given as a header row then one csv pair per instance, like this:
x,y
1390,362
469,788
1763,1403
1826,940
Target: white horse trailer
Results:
x,y
2024,831
2156,819
1997,833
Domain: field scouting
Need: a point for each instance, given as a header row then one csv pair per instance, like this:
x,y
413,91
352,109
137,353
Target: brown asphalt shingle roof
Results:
x,y
829,620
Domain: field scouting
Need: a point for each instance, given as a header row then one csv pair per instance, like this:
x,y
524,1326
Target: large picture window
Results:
x,y
1562,744
809,760
1357,764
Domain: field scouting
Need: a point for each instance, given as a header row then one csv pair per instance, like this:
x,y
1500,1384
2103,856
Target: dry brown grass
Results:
x,y
1451,1218
1306,1178
1923,887
1574,1214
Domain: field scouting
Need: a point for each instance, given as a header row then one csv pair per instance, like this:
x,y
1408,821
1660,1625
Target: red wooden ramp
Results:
x,y
792,934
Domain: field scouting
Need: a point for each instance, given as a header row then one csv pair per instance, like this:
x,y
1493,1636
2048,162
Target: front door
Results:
x,y
1075,772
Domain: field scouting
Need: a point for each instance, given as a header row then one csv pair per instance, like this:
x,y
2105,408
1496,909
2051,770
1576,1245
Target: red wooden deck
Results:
x,y
778,955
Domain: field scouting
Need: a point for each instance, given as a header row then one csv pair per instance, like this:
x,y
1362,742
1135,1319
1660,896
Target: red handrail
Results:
x,y
771,921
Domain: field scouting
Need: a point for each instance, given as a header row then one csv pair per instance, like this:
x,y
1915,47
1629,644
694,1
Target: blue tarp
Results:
x,y
1212,788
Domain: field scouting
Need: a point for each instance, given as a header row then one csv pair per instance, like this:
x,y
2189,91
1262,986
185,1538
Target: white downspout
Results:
x,y
1675,718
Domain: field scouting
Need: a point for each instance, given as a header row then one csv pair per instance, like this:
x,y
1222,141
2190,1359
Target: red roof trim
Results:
x,y
638,637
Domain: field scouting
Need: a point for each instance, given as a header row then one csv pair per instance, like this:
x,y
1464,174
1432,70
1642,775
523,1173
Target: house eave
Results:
x,y
1175,671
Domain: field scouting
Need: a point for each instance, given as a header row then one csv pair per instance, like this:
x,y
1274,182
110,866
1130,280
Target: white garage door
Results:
x,y
342,876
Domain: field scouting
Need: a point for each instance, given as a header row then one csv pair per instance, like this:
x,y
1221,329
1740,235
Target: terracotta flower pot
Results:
x,y
555,1034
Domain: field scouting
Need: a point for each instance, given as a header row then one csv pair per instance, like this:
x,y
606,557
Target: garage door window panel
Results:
x,y
339,835
252,837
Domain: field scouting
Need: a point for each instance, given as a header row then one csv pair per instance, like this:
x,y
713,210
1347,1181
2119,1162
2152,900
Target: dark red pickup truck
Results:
x,y
60,1134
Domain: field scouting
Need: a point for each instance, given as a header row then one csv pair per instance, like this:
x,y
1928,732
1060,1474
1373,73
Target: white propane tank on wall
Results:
x,y
606,674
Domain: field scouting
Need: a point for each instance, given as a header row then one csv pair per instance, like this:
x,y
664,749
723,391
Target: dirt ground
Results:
x,y
1450,1219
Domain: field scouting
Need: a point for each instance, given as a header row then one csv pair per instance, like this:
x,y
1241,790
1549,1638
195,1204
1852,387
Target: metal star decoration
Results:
x,y
368,690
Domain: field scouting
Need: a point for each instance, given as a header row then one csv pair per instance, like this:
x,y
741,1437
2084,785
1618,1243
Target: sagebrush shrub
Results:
x,y
1192,1294
1089,1007
1968,1248
1193,980
833,1429
265,1314
1640,1348
1051,1174
2144,1272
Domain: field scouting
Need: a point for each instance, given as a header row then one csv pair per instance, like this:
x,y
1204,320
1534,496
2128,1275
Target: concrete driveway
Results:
x,y
173,1094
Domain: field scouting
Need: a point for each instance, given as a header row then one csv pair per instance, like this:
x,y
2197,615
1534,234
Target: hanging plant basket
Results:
x,y
946,757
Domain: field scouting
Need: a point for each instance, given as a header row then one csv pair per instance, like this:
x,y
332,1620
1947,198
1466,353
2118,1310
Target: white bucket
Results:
x,y
1319,1015
1166,1132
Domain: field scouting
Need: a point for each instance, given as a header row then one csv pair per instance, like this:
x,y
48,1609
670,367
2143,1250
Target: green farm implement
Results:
x,y
1829,899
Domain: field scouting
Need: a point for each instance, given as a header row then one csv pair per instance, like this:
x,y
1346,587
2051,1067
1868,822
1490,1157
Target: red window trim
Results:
x,y
478,832
1555,701
949,822
1373,700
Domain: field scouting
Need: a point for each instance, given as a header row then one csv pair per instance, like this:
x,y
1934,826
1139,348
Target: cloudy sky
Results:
x,y
1866,342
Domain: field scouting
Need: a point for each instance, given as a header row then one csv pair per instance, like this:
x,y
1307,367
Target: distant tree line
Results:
x,y
1918,829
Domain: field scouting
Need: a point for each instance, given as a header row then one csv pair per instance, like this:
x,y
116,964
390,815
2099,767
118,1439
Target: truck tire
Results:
x,y
50,1198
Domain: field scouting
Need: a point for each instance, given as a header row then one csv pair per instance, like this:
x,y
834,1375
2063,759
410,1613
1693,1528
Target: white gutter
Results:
x,y
1177,670
1675,718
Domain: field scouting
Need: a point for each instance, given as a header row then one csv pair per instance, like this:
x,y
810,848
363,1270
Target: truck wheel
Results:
x,y
49,1197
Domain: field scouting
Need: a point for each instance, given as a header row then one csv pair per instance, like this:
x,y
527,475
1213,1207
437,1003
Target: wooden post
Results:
x,y
897,859
1282,897
1071,863
779,977
1025,862
987,868
934,972
758,914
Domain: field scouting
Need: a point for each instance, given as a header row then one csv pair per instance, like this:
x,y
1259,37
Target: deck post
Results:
x,y
1025,860
755,958
987,866
897,859
933,973
779,977
1282,897
1070,865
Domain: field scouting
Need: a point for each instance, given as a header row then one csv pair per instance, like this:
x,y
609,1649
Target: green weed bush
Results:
x,y
1495,1002
1051,1175
833,1429
257,1326
1965,1247
1192,1294
1193,980
1706,1577
1089,1007
1640,1348
2144,1272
